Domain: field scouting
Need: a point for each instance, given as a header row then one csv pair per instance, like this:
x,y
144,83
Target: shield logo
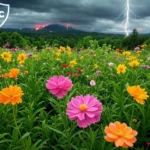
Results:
x,y
4,13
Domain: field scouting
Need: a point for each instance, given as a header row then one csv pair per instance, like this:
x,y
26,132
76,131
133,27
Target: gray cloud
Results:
x,y
89,15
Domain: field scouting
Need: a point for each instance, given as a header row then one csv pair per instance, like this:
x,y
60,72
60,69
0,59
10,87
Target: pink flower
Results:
x,y
7,44
137,48
148,143
85,109
92,83
59,86
98,72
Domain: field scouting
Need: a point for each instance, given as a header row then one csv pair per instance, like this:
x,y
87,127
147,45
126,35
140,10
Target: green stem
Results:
x,y
131,120
83,144
14,116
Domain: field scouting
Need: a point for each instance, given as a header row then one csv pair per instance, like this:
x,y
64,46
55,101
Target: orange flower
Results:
x,y
6,75
120,134
14,73
138,93
11,95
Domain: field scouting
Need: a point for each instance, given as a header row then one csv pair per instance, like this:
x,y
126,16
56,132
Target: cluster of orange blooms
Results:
x,y
13,73
120,133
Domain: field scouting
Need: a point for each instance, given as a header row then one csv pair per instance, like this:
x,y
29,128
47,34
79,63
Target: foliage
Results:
x,y
41,117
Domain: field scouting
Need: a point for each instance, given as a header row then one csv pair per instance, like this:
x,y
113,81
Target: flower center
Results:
x,y
5,56
121,69
120,133
83,107
22,58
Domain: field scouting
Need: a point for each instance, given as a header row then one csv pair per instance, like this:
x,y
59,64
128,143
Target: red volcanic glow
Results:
x,y
40,26
68,25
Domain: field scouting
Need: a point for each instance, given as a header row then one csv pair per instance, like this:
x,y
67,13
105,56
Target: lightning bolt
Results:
x,y
127,17
126,11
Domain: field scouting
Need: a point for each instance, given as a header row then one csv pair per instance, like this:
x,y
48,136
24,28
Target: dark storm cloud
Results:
x,y
94,15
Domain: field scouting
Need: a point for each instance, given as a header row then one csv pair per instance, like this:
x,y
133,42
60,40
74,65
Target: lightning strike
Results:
x,y
127,18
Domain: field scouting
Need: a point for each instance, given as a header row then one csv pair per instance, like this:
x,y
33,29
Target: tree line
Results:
x,y
74,40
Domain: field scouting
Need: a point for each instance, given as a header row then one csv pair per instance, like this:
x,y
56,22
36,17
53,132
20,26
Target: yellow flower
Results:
x,y
127,53
121,69
143,45
69,53
118,53
21,58
58,54
62,48
6,56
132,58
96,66
134,63
73,63
68,48
138,93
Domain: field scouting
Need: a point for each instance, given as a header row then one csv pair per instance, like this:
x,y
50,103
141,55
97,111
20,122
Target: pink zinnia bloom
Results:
x,y
137,48
92,83
85,109
59,86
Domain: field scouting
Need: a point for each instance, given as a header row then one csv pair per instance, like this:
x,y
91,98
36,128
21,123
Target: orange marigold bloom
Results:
x,y
13,73
138,93
6,75
11,95
120,134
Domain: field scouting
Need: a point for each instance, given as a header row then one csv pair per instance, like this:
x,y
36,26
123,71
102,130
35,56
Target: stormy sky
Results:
x,y
88,15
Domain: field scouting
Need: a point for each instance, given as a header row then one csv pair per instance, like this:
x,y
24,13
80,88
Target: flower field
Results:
x,y
66,99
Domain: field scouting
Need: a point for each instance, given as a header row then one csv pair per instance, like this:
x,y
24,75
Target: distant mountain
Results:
x,y
49,28
58,28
